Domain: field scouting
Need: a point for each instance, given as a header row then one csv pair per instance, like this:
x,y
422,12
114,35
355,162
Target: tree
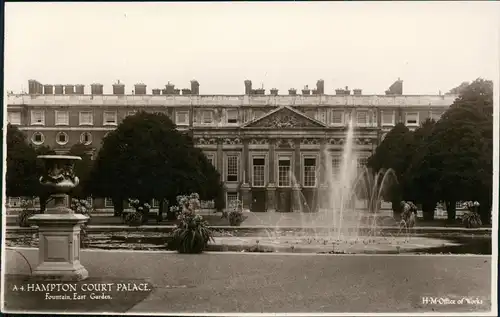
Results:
x,y
394,153
82,169
23,167
22,172
146,158
418,189
457,90
457,160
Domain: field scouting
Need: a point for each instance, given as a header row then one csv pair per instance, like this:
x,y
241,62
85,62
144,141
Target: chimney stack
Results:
x,y
35,87
32,86
140,89
156,91
186,92
48,89
195,87
274,91
248,87
306,91
118,89
80,89
69,90
96,89
169,89
59,89
357,92
292,92
320,87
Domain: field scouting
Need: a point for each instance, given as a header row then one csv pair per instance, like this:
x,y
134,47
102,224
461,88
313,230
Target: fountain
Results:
x,y
59,227
337,222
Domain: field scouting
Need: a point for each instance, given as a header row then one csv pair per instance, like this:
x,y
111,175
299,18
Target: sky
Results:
x,y
431,46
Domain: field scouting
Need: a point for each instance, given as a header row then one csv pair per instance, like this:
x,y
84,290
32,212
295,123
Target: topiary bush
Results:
x,y
192,233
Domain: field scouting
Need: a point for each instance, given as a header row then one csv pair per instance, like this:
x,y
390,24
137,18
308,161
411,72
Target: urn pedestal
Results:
x,y
59,228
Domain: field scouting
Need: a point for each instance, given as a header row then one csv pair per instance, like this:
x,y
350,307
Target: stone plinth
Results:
x,y
59,247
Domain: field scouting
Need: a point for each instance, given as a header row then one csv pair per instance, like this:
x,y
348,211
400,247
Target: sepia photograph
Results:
x,y
250,158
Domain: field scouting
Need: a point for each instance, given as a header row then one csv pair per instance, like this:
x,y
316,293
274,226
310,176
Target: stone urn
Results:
x,y
59,178
59,228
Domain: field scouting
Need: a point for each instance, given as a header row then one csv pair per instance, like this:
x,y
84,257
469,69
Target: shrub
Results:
x,y
235,215
192,233
134,218
137,217
472,219
28,210
82,206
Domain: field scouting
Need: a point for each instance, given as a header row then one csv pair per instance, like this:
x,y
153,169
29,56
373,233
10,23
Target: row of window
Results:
x,y
207,116
62,138
338,117
284,167
84,118
110,118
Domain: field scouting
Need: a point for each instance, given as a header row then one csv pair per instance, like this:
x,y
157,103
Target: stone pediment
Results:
x,y
285,118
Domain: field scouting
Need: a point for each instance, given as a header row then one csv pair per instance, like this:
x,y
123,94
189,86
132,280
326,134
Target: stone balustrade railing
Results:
x,y
232,100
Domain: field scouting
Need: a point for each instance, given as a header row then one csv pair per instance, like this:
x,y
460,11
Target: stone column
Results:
x,y
271,197
272,150
220,159
246,196
245,162
296,198
323,196
271,186
297,162
322,163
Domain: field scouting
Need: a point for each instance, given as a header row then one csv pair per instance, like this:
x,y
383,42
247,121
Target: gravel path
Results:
x,y
250,282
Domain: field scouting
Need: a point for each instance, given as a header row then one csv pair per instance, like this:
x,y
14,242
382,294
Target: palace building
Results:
x,y
256,140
